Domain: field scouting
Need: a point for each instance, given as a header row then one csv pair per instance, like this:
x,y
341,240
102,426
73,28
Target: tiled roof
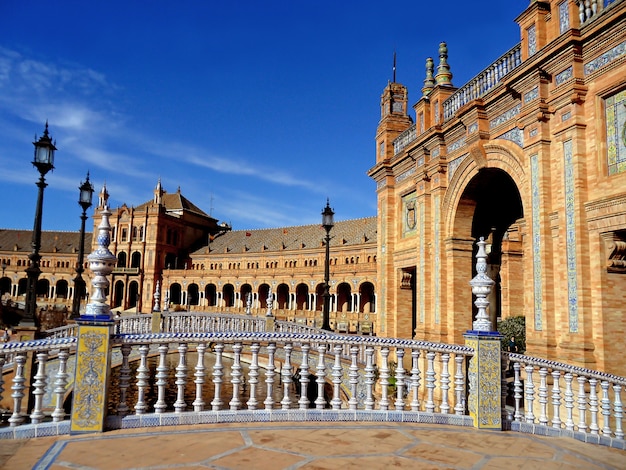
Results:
x,y
344,233
51,242
176,202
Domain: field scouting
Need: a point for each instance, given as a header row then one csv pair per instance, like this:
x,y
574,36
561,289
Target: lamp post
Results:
x,y
44,162
327,223
84,200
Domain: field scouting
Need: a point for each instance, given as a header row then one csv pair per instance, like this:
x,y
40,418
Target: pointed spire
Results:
x,y
444,76
429,81
103,197
158,192
394,67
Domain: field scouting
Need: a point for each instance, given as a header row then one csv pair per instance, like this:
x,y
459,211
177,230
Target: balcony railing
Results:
x,y
482,83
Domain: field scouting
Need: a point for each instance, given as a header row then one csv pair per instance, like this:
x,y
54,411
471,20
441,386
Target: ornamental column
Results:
x,y
93,352
484,371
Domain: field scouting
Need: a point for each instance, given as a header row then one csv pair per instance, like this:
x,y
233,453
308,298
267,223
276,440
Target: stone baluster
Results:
x,y
217,402
286,374
529,392
181,378
399,403
430,382
445,383
161,379
269,376
236,377
517,391
459,386
415,380
199,376
569,401
606,408
353,375
504,390
253,376
588,10
60,384
369,378
143,374
304,377
384,378
593,407
122,407
2,362
320,401
582,404
581,11
18,387
39,387
337,373
543,396
618,411
556,399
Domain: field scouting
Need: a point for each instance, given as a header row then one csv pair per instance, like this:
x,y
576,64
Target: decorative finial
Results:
x,y
429,82
157,298
101,263
444,76
481,288
270,304
249,303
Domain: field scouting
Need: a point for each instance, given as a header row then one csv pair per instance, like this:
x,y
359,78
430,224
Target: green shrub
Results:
x,y
513,327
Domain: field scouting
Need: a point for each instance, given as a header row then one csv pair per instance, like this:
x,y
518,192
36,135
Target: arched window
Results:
x,y
121,259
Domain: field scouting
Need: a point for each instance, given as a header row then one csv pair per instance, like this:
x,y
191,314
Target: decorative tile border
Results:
x,y
536,234
570,240
456,145
564,76
504,117
454,164
405,175
381,184
514,135
437,254
563,17
473,127
566,116
532,40
434,152
533,132
531,95
422,248
605,59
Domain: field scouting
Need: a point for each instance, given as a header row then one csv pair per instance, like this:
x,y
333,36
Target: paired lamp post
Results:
x,y
327,223
84,200
44,162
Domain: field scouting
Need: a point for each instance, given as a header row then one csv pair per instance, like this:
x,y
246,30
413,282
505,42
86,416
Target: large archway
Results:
x,y
491,207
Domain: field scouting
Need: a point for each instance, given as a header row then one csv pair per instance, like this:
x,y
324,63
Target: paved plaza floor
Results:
x,y
344,446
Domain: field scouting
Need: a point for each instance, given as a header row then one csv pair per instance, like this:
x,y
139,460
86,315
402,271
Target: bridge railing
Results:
x,y
562,397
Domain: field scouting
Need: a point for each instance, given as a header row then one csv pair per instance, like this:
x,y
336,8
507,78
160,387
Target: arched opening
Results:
x,y
175,293
264,290
344,297
21,286
244,291
210,295
229,295
302,297
135,260
491,207
62,289
170,261
367,304
282,296
133,294
5,286
193,294
118,294
319,291
121,259
43,288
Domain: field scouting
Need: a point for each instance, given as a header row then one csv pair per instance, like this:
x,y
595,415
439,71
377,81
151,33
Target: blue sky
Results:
x,y
258,110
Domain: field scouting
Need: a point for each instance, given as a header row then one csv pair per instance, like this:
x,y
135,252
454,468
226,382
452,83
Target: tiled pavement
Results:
x,y
307,446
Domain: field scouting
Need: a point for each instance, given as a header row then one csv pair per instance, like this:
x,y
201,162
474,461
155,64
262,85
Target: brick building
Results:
x,y
531,155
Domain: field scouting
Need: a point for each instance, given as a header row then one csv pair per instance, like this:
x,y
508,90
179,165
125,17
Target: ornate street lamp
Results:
x,y
327,223
44,162
84,200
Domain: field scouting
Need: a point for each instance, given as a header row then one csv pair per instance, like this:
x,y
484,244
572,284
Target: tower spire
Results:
x,y
394,67
444,76
429,81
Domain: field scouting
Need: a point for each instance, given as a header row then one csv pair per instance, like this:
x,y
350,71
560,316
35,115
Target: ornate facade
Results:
x,y
531,155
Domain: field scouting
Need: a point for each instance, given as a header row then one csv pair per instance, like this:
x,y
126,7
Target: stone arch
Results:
x,y
62,289
193,294
500,154
118,293
367,297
